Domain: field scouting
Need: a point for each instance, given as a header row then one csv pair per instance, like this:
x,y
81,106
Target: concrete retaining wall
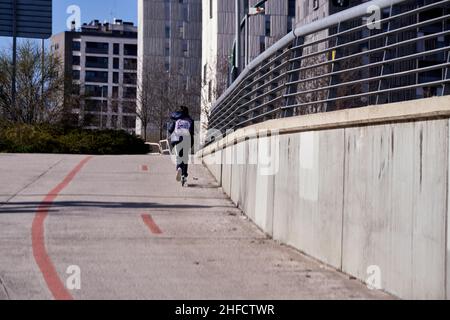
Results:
x,y
363,199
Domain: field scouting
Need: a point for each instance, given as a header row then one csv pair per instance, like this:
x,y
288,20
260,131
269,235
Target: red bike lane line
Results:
x,y
45,264
151,224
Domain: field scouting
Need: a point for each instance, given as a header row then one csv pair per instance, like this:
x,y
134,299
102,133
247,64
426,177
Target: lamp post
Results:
x,y
252,11
240,24
101,109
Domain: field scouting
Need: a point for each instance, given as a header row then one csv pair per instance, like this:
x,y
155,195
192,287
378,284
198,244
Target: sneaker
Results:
x,y
179,175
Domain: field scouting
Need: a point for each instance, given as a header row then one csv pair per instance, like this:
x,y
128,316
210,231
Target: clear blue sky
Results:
x,y
90,10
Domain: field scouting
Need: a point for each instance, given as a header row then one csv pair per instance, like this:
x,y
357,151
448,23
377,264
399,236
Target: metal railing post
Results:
x,y
333,78
294,76
386,43
446,74
338,62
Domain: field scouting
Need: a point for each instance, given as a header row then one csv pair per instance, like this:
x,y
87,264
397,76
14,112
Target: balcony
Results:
x,y
97,47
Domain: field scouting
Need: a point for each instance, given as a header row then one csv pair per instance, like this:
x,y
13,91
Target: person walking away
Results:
x,y
181,131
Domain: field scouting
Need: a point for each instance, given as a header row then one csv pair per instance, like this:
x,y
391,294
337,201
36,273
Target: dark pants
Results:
x,y
180,161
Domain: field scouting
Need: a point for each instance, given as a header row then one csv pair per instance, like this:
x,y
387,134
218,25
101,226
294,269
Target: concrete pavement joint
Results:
x,y
32,182
5,289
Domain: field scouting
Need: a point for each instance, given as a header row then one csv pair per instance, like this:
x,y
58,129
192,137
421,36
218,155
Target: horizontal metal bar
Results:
x,y
259,88
257,117
234,94
267,73
374,64
256,108
321,24
392,75
363,53
281,87
407,13
370,93
348,70
366,39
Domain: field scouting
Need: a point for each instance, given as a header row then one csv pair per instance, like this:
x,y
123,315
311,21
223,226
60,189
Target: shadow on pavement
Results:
x,y
31,207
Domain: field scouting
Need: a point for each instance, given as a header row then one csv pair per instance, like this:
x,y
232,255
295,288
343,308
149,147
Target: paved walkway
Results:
x,y
134,233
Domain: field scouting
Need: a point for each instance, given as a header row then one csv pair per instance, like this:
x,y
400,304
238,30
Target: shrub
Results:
x,y
45,139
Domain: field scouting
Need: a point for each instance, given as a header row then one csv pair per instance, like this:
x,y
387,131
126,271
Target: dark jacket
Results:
x,y
181,116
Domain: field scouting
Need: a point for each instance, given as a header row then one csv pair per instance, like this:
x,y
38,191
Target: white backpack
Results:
x,y
182,129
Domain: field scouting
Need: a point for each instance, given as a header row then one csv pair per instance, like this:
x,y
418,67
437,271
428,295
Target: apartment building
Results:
x,y
101,61
170,42
262,23
312,10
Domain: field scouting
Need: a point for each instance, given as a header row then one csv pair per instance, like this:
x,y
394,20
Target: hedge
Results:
x,y
47,139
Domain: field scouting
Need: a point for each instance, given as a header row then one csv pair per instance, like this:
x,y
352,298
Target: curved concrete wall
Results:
x,y
357,197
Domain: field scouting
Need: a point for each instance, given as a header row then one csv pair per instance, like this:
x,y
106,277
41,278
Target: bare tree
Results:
x,y
160,92
214,83
39,86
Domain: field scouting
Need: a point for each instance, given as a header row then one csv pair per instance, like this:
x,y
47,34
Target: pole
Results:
x,y
101,110
238,35
247,40
43,68
14,57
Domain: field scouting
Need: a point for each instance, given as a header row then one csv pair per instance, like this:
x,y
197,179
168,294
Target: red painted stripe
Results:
x,y
151,224
40,253
144,168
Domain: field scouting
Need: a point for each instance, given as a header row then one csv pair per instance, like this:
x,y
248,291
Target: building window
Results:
x,y
75,74
129,93
268,28
76,60
181,29
115,92
76,45
129,78
130,64
291,8
116,48
262,44
94,106
167,31
76,89
181,64
97,47
167,10
129,122
115,77
116,62
185,13
129,107
97,62
130,50
96,76
115,106
185,48
96,91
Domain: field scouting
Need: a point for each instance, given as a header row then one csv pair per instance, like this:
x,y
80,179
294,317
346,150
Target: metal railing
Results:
x,y
346,60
